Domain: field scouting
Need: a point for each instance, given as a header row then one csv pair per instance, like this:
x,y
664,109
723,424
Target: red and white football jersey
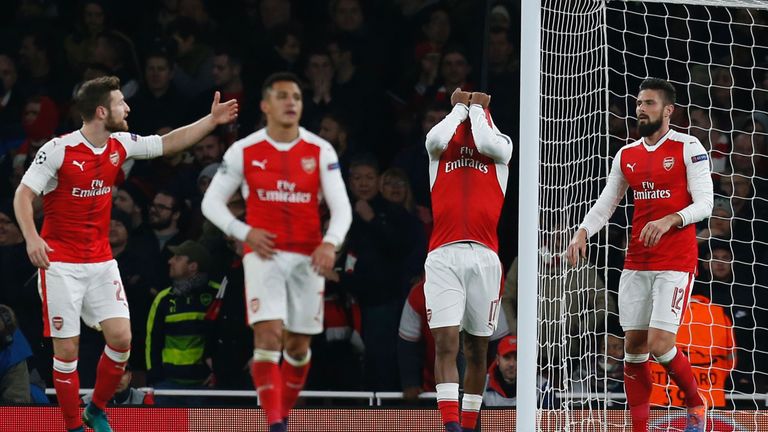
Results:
x,y
672,176
76,179
282,185
467,186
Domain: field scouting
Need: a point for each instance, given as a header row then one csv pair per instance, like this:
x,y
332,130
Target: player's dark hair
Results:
x,y
277,77
95,93
666,89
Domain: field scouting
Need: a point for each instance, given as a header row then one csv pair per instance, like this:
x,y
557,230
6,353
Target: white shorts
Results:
x,y
463,288
70,291
285,288
655,299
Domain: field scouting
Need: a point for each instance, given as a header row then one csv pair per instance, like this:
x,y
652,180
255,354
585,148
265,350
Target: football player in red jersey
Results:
x,y
468,172
78,277
669,175
284,170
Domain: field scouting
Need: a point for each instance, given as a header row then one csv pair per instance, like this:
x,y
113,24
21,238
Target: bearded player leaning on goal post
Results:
x,y
670,177
78,277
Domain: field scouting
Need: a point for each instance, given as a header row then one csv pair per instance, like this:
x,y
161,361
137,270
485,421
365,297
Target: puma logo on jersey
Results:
x,y
260,164
80,165
632,166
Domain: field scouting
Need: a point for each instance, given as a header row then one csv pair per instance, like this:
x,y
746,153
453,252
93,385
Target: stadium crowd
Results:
x,y
377,76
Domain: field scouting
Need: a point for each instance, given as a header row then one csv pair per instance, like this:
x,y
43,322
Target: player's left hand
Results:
x,y
480,98
652,232
323,258
223,113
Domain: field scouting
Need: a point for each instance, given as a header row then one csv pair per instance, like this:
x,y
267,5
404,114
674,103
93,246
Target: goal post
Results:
x,y
581,65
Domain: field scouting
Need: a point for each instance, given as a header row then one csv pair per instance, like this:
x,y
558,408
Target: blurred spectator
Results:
x,y
179,338
157,103
706,338
436,31
747,304
115,51
454,73
39,120
585,304
78,45
501,390
40,74
711,137
125,394
373,273
335,129
718,225
416,345
233,346
175,172
194,60
165,212
227,79
603,371
19,382
284,53
414,160
18,287
11,103
208,151
132,257
196,11
320,96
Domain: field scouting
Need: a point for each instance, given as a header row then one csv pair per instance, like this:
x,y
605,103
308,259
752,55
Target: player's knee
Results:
x,y
267,339
120,340
66,349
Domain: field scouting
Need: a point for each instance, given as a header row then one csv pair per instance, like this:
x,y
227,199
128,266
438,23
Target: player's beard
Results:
x,y
113,125
649,128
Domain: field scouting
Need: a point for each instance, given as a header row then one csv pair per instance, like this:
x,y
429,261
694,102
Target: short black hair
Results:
x,y
277,77
661,85
365,159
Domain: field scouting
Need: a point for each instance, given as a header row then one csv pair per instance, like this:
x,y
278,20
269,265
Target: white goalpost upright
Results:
x,y
581,64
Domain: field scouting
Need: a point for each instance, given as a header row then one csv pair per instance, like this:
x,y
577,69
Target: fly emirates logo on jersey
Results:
x,y
466,161
97,189
285,193
650,192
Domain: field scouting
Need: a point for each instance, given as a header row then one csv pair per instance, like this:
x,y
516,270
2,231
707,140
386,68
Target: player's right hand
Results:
x,y
38,249
481,98
577,248
460,96
261,242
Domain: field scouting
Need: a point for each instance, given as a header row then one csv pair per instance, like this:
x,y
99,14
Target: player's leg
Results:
x,y
672,291
635,315
305,290
445,301
62,299
106,307
265,297
483,287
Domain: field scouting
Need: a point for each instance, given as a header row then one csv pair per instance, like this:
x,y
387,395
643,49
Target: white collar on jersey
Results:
x,y
94,149
284,146
661,141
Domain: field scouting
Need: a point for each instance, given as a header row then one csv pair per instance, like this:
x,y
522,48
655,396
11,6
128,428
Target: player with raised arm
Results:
x,y
468,172
670,178
78,277
284,171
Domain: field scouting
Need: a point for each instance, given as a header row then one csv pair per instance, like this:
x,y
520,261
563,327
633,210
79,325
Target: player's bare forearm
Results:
x,y
22,206
186,136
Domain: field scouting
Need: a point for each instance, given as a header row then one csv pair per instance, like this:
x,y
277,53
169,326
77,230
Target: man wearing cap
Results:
x,y
177,332
501,389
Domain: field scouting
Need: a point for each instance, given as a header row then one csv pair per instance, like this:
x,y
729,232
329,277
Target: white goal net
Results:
x,y
594,56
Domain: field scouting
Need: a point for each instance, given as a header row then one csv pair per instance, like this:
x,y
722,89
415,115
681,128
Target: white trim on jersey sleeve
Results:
x,y
226,181
699,181
140,147
610,197
440,135
42,175
335,195
489,140
410,324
